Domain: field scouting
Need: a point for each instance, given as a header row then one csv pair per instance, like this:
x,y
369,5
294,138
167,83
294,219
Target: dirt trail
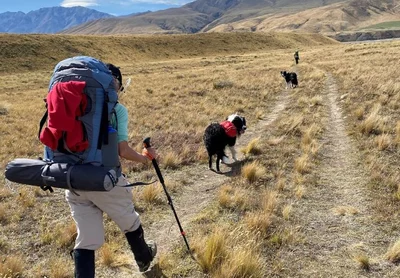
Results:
x,y
203,187
335,216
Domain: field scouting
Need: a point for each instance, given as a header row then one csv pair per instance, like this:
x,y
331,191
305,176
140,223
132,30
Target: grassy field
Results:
x,y
253,221
384,26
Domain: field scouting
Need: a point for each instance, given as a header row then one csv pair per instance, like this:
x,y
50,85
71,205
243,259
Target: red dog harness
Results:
x,y
230,128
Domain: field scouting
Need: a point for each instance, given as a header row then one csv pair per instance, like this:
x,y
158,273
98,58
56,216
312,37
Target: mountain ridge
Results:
x,y
47,20
310,16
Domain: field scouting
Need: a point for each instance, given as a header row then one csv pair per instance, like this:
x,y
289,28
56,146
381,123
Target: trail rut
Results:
x,y
335,216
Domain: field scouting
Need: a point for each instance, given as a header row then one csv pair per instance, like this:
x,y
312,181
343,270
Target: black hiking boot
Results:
x,y
144,253
153,251
84,263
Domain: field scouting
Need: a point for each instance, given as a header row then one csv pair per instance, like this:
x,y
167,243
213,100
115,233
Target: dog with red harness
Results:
x,y
219,135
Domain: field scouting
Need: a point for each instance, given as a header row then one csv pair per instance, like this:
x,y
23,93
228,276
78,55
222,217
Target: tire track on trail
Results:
x,y
336,219
202,186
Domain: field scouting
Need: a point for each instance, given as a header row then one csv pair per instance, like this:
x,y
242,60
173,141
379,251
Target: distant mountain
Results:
x,y
47,20
312,16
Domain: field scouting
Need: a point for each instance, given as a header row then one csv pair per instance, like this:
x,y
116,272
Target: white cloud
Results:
x,y
83,3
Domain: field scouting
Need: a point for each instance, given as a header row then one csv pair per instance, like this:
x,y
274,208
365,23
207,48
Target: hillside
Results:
x,y
47,20
194,17
344,16
327,17
42,52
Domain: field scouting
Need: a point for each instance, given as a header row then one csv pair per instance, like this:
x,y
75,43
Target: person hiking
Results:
x,y
296,57
87,207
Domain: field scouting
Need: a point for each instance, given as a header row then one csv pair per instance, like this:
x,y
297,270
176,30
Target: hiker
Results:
x,y
87,207
296,57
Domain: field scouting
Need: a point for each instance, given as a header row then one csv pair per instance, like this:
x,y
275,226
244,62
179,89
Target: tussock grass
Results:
x,y
171,160
269,200
213,252
299,191
309,135
343,210
152,194
242,263
393,253
60,267
25,198
280,184
383,141
173,186
374,123
275,141
11,266
258,222
65,234
302,164
253,171
359,112
253,147
397,130
232,198
363,261
3,214
286,211
4,109
316,101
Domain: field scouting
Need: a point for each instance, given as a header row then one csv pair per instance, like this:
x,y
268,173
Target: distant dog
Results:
x,y
219,135
290,78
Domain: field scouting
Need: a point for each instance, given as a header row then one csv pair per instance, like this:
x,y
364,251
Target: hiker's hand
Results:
x,y
150,153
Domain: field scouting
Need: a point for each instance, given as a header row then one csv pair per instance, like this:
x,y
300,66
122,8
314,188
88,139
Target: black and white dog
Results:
x,y
219,135
290,78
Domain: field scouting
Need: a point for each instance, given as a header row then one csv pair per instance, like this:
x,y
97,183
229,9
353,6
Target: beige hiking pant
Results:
x,y
87,211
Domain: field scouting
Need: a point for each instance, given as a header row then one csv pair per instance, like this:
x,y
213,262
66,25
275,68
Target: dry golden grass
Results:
x,y
269,200
393,253
253,171
253,147
374,123
11,266
363,261
152,194
59,268
359,113
171,160
383,141
281,184
343,210
302,164
286,211
299,191
232,198
259,222
243,263
397,133
173,99
211,255
3,214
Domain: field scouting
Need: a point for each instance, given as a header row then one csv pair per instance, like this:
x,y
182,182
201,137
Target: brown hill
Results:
x,y
42,52
198,16
344,16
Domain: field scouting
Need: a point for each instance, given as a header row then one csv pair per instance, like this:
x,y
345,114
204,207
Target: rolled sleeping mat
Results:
x,y
46,174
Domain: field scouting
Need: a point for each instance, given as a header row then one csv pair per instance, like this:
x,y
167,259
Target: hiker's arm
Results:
x,y
128,153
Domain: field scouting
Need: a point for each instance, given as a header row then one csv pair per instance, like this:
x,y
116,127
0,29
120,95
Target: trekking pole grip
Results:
x,y
146,144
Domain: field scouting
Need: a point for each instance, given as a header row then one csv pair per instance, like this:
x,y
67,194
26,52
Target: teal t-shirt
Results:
x,y
122,120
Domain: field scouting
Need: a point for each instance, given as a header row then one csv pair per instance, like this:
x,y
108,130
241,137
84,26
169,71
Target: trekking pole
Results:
x,y
146,144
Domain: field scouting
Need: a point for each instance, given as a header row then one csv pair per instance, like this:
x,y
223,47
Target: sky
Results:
x,y
114,7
